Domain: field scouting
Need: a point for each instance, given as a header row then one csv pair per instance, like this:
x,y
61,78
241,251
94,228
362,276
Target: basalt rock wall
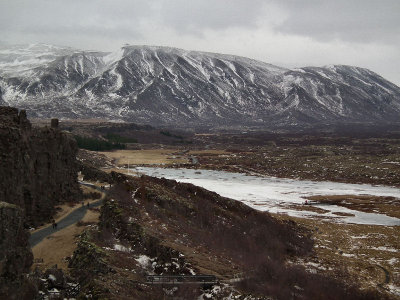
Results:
x,y
38,167
15,254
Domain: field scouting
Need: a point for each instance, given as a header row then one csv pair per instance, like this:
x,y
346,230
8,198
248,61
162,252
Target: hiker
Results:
x,y
53,223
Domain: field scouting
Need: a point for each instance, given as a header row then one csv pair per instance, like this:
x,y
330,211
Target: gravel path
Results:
x,y
72,218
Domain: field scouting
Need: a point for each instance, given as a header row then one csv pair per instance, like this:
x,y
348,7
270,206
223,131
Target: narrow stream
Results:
x,y
279,195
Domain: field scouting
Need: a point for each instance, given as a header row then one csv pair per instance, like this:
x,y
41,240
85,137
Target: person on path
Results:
x,y
53,223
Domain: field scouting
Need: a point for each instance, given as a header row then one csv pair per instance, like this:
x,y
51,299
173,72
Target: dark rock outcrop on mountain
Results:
x,y
38,167
15,254
174,87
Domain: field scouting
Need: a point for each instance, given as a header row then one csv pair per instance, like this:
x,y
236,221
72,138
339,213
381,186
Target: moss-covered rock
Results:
x,y
88,259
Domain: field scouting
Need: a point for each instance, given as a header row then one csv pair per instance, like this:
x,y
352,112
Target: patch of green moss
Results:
x,y
110,215
8,205
165,198
88,258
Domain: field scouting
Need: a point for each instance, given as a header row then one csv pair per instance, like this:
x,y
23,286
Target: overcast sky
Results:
x,y
290,33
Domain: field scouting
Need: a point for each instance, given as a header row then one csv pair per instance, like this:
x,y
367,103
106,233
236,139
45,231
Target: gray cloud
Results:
x,y
354,21
196,16
81,16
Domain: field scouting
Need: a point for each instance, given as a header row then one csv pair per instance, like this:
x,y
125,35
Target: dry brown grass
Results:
x,y
389,206
307,208
205,152
145,157
88,189
156,156
206,263
56,247
67,208
363,250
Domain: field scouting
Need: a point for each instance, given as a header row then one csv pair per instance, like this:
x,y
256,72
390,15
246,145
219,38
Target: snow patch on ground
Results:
x,y
122,248
394,289
393,261
144,261
52,277
383,248
348,255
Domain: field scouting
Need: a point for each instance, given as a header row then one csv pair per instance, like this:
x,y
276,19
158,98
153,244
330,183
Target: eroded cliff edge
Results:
x,y
38,167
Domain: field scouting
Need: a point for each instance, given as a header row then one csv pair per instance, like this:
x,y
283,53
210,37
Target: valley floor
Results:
x,y
366,254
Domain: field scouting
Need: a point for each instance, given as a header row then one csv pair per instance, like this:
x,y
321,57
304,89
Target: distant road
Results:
x,y
72,218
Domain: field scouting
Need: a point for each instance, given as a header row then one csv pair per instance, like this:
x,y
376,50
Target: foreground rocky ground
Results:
x,y
157,226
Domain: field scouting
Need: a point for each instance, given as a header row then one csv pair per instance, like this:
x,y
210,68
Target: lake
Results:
x,y
281,195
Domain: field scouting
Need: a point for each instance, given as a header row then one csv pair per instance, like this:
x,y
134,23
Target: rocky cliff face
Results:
x,y
15,254
38,168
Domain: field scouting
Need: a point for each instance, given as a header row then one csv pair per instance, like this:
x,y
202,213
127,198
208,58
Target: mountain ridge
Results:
x,y
175,87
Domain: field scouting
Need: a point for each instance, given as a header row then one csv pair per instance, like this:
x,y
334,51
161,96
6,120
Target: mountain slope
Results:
x,y
168,86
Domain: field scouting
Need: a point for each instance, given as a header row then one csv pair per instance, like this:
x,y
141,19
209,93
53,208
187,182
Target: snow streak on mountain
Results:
x,y
167,86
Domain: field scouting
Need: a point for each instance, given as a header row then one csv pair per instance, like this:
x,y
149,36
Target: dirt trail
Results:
x,y
54,249
51,246
70,219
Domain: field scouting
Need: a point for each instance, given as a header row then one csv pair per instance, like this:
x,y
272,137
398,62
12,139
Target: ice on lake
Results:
x,y
277,194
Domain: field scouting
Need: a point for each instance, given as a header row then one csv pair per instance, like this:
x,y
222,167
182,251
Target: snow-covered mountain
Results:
x,y
168,86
